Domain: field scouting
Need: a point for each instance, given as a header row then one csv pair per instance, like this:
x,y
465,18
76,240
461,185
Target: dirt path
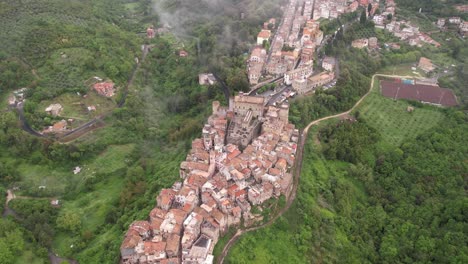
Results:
x,y
10,196
298,168
53,258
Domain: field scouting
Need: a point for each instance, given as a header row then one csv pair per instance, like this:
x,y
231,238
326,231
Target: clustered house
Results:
x,y
221,182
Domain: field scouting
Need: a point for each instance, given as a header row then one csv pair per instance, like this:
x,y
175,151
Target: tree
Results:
x,y
363,17
69,221
6,256
15,240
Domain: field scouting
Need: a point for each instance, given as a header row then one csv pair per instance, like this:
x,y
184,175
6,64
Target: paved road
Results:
x,y
260,85
298,168
88,125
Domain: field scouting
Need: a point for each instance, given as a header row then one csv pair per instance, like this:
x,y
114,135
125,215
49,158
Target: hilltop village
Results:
x,y
243,159
247,149
246,152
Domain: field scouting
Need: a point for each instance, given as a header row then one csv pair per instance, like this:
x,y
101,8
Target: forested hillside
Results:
x,y
53,48
361,203
389,187
364,197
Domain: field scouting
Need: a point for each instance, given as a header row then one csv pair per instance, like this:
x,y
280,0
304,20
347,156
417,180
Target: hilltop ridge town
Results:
x,y
246,152
247,149
243,159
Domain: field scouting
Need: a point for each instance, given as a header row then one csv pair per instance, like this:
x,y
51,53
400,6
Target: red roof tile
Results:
x,y
419,92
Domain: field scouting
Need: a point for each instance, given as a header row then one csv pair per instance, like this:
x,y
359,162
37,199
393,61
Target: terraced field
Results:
x,y
392,119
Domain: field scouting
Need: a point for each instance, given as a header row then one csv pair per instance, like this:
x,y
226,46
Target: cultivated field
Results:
x,y
75,106
392,120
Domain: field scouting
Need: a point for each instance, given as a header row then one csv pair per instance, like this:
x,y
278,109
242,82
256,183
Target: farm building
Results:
x,y
424,93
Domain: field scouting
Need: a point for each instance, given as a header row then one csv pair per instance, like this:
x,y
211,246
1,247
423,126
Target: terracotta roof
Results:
x,y
179,215
274,172
217,215
241,193
187,207
197,143
61,125
267,186
166,196
194,166
233,189
264,34
236,210
140,226
173,243
131,240
156,223
157,213
258,52
281,163
170,261
104,88
152,248
196,180
201,211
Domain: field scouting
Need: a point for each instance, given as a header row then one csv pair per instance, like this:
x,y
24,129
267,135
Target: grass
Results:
x,y
29,257
131,6
218,249
290,239
75,106
403,69
392,120
93,206
58,180
55,180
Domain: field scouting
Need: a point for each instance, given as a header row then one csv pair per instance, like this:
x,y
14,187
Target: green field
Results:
x,y
393,121
75,106
288,239
93,206
403,69
57,180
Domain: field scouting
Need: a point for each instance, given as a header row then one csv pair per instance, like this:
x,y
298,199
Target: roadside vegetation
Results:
x,y
361,203
139,147
385,188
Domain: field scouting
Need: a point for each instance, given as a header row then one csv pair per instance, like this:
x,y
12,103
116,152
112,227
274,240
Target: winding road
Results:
x,y
53,258
92,123
298,168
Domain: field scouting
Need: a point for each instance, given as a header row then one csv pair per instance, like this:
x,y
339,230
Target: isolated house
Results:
x,y
104,88
329,63
150,33
263,35
54,109
183,53
426,65
206,79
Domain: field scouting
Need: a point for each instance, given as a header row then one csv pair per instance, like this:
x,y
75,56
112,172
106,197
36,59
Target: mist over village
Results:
x,y
233,131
